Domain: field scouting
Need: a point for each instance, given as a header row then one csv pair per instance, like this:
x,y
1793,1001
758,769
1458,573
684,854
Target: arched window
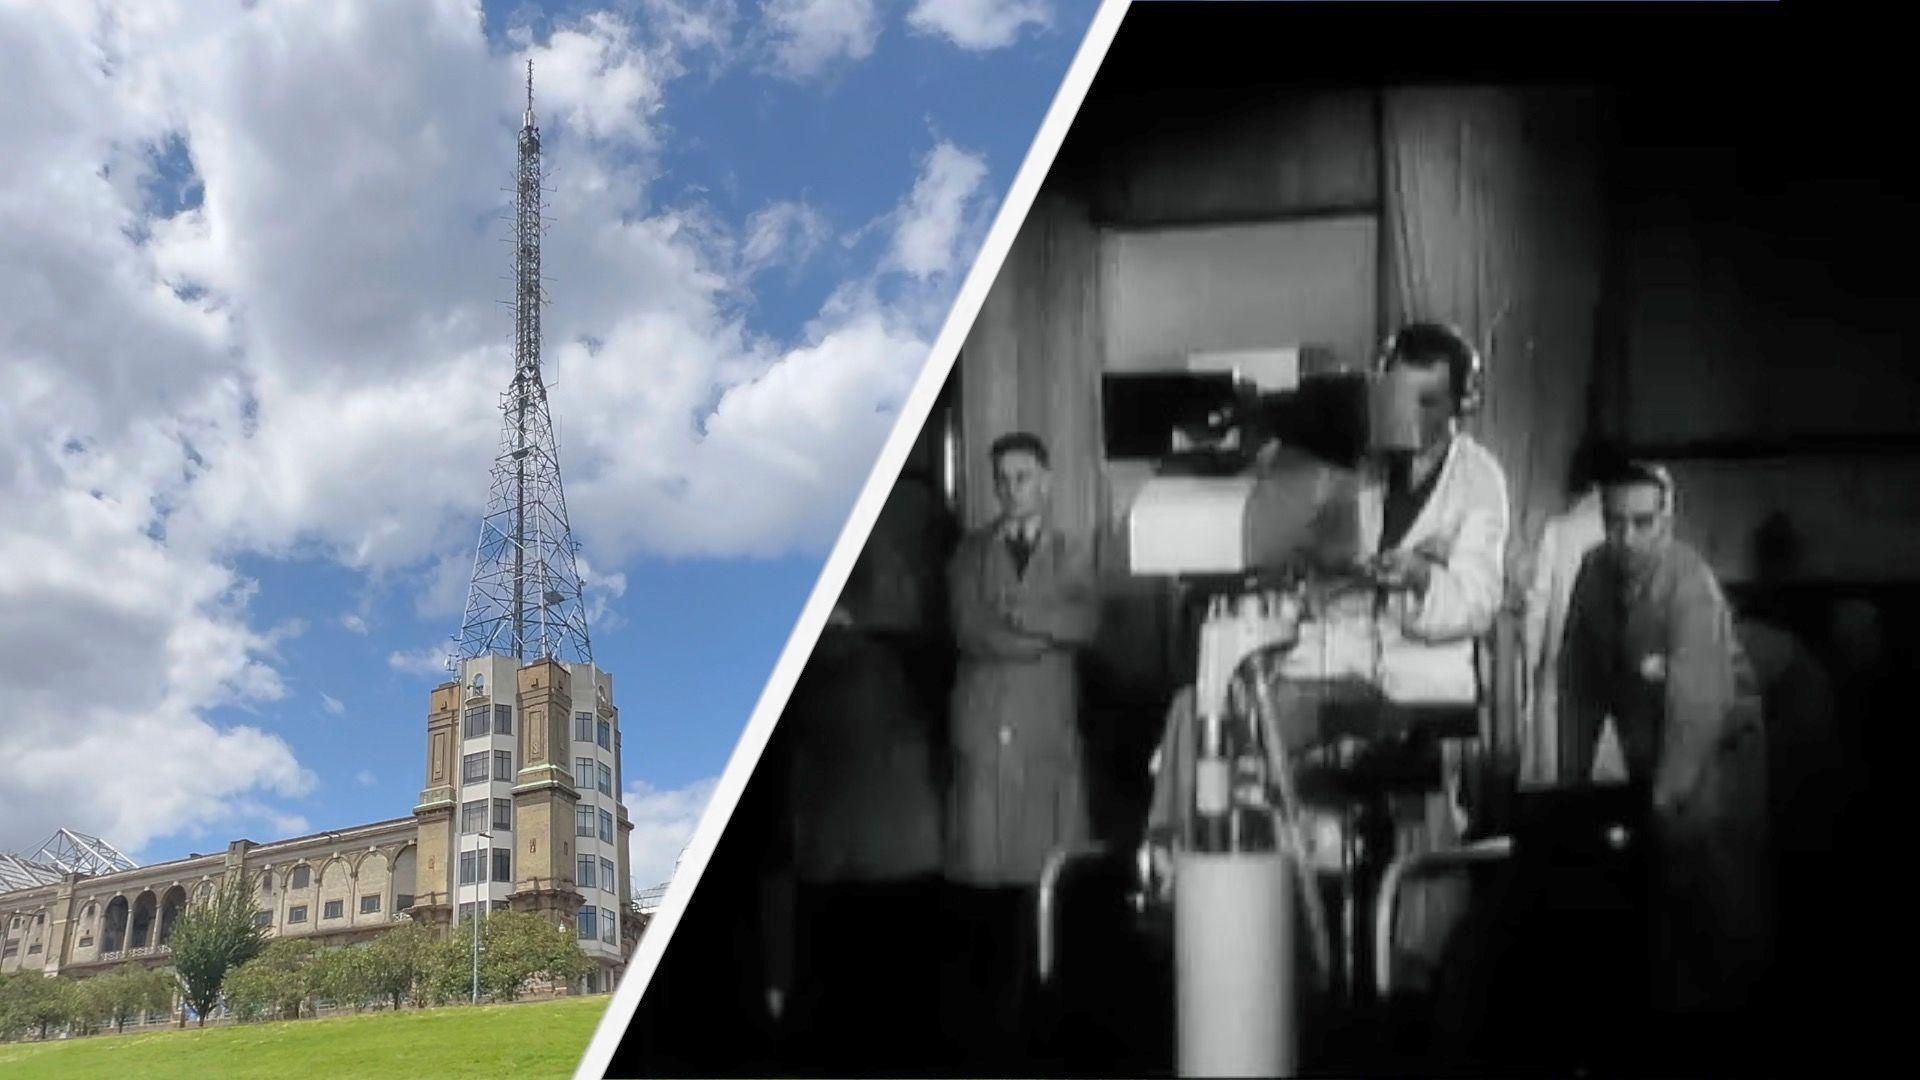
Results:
x,y
114,934
170,909
145,911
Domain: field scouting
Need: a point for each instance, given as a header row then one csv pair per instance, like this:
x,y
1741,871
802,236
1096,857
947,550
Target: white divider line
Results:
x,y
853,537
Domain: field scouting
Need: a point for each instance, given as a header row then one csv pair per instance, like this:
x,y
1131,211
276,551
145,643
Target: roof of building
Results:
x,y
21,873
93,858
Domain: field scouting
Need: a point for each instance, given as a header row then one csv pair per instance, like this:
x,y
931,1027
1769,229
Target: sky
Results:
x,y
252,356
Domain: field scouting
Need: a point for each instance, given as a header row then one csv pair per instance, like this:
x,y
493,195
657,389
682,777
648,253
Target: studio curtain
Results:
x,y
1492,223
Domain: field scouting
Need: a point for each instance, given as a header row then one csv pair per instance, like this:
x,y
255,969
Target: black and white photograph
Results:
x,y
1409,574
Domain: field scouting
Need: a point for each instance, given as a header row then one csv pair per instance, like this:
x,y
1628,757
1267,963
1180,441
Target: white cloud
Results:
x,y
288,825
979,24
694,24
427,660
663,823
308,361
443,590
600,81
811,37
332,705
600,591
364,778
929,229
783,234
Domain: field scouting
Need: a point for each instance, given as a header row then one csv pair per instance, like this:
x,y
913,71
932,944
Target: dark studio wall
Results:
x,y
1764,286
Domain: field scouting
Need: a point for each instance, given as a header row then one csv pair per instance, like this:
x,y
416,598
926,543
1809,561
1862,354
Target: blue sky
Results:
x,y
247,404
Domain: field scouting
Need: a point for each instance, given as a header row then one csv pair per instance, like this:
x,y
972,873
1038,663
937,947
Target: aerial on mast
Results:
x,y
526,599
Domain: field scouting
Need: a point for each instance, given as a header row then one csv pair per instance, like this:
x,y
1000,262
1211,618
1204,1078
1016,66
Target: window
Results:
x,y
466,912
469,863
583,773
606,779
503,719
476,725
589,924
263,919
334,909
582,727
502,864
606,875
473,816
302,877
402,901
503,813
297,913
370,905
40,919
583,875
606,826
606,735
86,941
498,906
608,925
473,768
583,821
33,948
503,764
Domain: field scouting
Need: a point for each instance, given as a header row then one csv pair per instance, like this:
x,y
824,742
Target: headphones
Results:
x,y
1669,495
1469,391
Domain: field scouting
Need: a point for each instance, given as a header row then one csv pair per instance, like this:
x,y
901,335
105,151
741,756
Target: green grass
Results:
x,y
537,1039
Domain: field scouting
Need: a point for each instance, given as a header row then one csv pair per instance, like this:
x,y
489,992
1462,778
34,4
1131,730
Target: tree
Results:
x,y
30,1001
517,948
146,990
279,982
211,938
446,975
12,1023
250,992
398,961
345,977
90,1003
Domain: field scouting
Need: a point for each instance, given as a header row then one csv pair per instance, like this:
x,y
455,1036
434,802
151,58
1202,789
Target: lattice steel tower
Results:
x,y
525,601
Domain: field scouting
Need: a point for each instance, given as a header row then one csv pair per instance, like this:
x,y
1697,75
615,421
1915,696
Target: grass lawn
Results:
x,y
534,1040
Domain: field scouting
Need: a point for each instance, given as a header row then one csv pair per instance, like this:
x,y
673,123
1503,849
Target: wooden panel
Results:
x,y
1208,156
1175,291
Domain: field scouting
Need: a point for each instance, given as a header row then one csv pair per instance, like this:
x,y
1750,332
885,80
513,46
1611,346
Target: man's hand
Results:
x,y
1404,570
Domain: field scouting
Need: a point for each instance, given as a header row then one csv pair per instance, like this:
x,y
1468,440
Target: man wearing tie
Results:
x,y
1024,599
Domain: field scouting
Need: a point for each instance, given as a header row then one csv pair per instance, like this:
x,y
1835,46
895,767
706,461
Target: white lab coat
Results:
x,y
1564,542
1421,650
